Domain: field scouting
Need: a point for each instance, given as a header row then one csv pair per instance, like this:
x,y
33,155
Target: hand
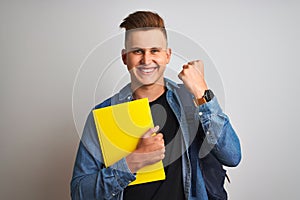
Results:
x,y
150,149
192,76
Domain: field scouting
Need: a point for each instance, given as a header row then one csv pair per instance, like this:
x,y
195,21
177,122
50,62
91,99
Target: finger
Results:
x,y
156,152
180,75
150,132
199,65
159,136
154,156
160,153
158,144
186,66
151,146
156,141
194,62
191,62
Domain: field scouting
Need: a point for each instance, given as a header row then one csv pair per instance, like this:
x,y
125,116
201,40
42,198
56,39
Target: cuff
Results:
x,y
123,173
211,107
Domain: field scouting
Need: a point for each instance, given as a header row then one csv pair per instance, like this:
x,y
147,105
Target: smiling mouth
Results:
x,y
147,70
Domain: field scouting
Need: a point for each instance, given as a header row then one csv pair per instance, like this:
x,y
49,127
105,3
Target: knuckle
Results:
x,y
161,143
186,67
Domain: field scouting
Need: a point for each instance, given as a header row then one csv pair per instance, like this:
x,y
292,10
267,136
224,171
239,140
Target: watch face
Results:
x,y
208,95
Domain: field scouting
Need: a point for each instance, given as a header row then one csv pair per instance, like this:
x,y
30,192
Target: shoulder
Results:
x,y
105,103
123,95
115,99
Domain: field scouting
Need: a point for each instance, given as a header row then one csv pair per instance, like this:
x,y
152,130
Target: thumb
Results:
x,y
150,132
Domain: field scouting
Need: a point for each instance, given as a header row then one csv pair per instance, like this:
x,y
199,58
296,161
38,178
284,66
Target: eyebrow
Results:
x,y
155,47
136,48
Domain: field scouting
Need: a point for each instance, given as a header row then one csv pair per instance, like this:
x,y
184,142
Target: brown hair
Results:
x,y
145,20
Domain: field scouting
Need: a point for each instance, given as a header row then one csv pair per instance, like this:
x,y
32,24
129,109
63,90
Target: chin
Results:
x,y
146,81
141,83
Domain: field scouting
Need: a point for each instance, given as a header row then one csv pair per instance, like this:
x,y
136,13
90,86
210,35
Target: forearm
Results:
x,y
219,134
92,181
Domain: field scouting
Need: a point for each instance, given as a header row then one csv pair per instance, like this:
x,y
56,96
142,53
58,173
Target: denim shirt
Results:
x,y
91,180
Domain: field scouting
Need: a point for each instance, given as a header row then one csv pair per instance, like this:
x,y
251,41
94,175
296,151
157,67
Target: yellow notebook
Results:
x,y
119,129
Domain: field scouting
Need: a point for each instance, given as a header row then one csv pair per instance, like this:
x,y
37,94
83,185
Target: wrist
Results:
x,y
198,90
198,94
133,166
206,97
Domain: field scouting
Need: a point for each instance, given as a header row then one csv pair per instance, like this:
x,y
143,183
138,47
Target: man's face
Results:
x,y
146,56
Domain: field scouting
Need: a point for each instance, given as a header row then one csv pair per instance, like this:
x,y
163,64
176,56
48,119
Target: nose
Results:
x,y
147,58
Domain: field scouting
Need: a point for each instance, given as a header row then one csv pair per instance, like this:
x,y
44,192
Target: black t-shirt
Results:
x,y
172,187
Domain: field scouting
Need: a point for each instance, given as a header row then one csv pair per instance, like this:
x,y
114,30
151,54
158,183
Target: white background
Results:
x,y
254,45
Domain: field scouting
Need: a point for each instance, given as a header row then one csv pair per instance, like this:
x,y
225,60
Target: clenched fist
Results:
x,y
192,76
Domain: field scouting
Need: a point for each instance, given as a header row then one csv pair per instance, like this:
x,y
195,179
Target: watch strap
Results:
x,y
208,95
200,101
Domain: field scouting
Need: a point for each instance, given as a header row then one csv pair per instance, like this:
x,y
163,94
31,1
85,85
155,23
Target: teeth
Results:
x,y
148,70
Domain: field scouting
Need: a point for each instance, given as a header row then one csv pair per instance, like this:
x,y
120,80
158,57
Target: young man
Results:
x,y
146,55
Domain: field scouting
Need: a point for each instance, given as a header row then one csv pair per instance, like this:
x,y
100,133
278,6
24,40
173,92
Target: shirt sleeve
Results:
x,y
91,180
220,136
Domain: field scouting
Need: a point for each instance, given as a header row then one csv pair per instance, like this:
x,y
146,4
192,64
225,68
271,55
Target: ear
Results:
x,y
124,56
169,53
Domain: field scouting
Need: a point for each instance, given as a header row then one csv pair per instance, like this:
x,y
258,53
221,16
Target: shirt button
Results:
x,y
208,133
128,97
113,194
200,113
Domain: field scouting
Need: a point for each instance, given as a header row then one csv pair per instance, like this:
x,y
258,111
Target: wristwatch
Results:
x,y
208,95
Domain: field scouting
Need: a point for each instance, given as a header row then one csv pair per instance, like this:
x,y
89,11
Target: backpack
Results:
x,y
212,170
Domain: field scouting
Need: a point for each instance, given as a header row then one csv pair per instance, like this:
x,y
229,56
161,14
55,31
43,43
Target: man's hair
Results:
x,y
143,20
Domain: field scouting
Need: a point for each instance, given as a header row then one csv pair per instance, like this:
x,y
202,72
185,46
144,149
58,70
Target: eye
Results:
x,y
155,51
138,51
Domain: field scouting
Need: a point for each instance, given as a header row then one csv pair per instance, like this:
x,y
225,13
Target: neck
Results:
x,y
151,92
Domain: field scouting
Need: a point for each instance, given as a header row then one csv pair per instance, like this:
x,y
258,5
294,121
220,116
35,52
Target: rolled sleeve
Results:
x,y
212,120
220,136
